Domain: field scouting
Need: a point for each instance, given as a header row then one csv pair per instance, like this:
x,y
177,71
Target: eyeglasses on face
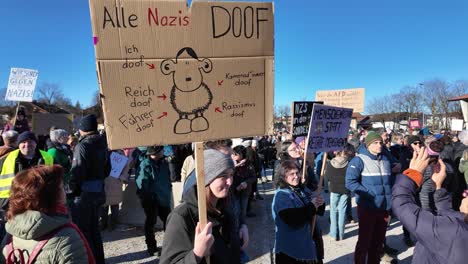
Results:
x,y
417,143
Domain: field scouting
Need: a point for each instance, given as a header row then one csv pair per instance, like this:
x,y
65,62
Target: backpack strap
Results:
x,y
11,257
85,241
44,239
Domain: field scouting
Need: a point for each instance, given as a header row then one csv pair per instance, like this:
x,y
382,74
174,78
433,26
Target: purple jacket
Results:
x,y
442,238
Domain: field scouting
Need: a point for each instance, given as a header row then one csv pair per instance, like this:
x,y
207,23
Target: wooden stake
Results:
x,y
304,162
319,190
16,115
200,173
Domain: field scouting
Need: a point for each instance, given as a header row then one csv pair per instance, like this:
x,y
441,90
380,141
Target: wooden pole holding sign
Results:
x,y
304,163
200,174
16,115
328,131
319,190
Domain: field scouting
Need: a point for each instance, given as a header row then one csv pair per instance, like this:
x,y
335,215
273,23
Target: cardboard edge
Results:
x,y
189,6
269,94
103,106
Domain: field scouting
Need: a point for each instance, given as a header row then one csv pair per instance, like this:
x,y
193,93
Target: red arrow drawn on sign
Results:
x,y
162,96
95,40
151,66
220,82
217,109
163,115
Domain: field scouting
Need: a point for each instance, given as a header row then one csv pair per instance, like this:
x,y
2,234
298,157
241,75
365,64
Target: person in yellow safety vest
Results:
x,y
23,158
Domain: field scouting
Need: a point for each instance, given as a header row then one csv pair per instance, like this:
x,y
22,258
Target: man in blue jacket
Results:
x,y
369,177
442,238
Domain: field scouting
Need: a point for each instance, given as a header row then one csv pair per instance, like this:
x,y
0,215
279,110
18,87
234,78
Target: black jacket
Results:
x,y
337,178
90,161
180,234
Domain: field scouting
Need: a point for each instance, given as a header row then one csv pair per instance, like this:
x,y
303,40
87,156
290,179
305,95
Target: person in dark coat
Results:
x,y
21,123
154,189
426,195
244,177
90,167
442,238
222,239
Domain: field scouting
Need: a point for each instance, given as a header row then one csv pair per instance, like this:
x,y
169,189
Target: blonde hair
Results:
x,y
396,137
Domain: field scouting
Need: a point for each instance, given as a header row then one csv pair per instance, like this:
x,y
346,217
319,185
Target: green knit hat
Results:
x,y
371,137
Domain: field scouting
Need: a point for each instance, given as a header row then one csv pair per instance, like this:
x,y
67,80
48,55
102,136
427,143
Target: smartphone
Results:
x,y
434,163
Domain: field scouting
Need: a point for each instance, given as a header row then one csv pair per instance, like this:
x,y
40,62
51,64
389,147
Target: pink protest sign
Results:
x,y
414,124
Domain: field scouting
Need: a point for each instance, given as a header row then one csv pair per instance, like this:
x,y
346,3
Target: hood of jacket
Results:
x,y
33,224
339,162
95,139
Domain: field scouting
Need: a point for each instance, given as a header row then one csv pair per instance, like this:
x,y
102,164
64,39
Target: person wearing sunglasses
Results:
x,y
415,143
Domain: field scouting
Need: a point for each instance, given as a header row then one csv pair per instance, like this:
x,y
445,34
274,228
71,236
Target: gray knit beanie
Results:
x,y
215,163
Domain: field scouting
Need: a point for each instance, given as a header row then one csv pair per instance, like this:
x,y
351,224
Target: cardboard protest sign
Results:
x,y
42,122
118,162
301,112
414,124
350,98
457,125
329,128
172,74
21,85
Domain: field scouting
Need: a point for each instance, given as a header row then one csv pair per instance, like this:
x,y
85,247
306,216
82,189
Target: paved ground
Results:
x,y
127,245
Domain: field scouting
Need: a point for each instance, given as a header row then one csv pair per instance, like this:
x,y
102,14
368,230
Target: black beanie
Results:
x,y
88,123
26,135
412,139
153,150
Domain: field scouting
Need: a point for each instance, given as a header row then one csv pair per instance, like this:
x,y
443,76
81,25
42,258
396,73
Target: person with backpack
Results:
x,y
89,169
39,229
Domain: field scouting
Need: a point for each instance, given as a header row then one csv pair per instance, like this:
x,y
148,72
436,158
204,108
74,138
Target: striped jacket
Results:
x,y
369,177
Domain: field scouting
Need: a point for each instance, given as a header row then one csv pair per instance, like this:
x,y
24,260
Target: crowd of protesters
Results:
x,y
56,196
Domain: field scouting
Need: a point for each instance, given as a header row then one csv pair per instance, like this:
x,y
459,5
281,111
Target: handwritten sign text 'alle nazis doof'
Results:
x,y
171,73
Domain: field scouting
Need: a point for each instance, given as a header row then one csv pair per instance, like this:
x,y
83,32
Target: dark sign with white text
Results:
x,y
301,112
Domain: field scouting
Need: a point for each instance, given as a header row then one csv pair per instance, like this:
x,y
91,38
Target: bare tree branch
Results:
x,y
49,93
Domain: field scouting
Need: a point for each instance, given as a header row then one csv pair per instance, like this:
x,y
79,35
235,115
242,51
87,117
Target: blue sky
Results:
x,y
381,45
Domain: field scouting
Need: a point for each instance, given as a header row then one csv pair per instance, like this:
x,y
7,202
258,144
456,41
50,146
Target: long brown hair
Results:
x,y
38,189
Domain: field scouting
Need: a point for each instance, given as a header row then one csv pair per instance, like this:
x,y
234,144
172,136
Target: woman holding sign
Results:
x,y
293,209
224,235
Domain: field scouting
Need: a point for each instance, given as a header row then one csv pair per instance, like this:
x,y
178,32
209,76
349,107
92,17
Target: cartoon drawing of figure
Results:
x,y
190,96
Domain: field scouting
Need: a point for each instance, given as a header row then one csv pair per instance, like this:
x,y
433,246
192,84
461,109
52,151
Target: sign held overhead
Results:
x,y
21,85
350,98
171,74
301,112
329,128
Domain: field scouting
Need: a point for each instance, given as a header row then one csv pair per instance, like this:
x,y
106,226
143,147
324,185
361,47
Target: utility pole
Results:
x,y
421,86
